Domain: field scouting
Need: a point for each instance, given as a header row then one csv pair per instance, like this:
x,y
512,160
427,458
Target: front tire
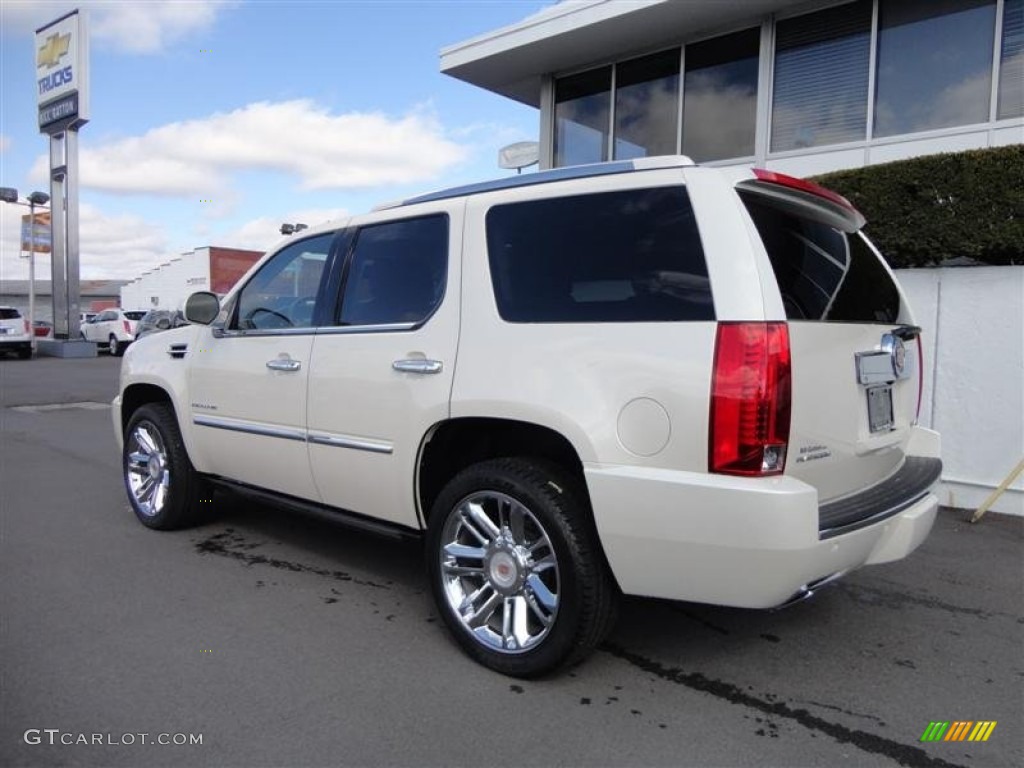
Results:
x,y
164,490
516,568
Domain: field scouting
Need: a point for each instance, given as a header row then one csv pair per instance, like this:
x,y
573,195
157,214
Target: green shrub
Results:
x,y
928,210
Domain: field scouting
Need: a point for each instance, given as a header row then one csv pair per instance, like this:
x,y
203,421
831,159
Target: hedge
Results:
x,y
926,211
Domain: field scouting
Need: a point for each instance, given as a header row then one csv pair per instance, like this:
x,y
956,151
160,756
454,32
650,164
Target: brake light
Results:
x,y
803,185
27,328
750,400
920,379
127,328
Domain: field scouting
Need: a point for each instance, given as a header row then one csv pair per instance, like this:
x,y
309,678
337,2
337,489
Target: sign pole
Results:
x,y
71,222
58,245
62,89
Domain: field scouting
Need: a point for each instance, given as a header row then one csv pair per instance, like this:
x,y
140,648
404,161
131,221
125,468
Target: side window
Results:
x,y
397,272
612,257
283,293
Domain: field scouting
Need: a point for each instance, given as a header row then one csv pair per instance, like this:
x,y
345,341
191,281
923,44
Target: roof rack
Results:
x,y
544,177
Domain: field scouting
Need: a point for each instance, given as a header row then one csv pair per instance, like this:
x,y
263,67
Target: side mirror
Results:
x,y
202,307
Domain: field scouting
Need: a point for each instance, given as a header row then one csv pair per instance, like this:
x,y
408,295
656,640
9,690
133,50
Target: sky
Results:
x,y
214,121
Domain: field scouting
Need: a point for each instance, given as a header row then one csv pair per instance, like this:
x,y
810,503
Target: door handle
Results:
x,y
285,364
418,365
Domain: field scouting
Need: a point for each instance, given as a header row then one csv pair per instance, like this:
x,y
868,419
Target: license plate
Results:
x,y
880,409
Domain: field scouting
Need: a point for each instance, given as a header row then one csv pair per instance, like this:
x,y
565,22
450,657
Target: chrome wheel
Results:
x,y
499,572
149,474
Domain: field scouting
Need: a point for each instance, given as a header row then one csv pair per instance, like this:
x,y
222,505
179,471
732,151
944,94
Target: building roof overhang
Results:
x,y
574,34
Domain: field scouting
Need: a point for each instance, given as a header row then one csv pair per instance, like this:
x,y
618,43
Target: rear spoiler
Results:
x,y
800,195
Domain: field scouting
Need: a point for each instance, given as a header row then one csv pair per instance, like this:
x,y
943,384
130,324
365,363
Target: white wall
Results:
x,y
973,319
170,283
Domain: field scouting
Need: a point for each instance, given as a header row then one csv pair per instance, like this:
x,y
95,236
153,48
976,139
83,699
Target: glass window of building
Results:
x,y
582,117
934,64
821,77
647,106
1011,61
720,96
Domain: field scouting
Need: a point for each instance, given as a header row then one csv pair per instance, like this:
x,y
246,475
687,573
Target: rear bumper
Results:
x,y
734,541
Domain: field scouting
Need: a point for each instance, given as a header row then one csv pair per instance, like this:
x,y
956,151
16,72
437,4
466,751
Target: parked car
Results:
x,y
43,328
159,320
642,377
14,333
112,328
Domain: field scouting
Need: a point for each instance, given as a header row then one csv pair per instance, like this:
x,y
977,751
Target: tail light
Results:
x,y
750,400
127,327
920,379
28,328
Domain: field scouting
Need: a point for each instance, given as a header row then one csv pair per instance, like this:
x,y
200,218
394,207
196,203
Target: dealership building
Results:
x,y
209,268
795,86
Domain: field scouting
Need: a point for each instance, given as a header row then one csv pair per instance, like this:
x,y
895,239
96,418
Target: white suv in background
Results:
x,y
640,377
112,328
15,334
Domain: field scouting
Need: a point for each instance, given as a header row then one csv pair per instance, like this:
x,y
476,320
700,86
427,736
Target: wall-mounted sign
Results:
x,y
62,73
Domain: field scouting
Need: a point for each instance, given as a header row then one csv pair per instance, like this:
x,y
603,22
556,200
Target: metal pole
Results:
x,y
32,272
71,223
58,245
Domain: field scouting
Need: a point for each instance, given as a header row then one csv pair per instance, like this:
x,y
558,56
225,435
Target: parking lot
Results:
x,y
284,640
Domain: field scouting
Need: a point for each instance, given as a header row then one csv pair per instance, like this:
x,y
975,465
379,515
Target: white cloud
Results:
x,y
194,158
132,26
111,246
262,233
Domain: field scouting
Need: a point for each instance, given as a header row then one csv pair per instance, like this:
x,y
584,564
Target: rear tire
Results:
x,y
516,568
163,487
115,346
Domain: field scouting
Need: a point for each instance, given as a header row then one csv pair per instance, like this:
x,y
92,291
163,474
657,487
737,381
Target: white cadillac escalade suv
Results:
x,y
640,377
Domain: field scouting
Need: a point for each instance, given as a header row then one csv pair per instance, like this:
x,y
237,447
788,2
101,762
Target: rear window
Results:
x,y
823,274
626,256
9,313
135,315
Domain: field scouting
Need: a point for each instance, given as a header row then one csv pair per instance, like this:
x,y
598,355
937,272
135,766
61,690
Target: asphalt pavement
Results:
x,y
274,639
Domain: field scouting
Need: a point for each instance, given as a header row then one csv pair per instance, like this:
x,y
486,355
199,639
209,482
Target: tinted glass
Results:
x,y
821,77
1011,61
647,106
934,64
8,313
629,256
720,96
582,114
824,274
397,272
134,315
283,293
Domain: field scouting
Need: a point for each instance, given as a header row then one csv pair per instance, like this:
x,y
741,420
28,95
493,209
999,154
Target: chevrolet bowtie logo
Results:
x,y
52,50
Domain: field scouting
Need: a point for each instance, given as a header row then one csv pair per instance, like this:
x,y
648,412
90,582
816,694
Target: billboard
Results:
x,y
62,73
36,238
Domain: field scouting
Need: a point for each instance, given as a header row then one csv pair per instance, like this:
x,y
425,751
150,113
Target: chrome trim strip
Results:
x,y
221,333
332,330
358,444
249,429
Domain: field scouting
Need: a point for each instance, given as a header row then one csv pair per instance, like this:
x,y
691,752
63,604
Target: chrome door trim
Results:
x,y
355,443
249,428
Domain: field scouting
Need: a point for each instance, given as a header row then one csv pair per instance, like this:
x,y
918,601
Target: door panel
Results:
x,y
248,381
248,417
382,377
